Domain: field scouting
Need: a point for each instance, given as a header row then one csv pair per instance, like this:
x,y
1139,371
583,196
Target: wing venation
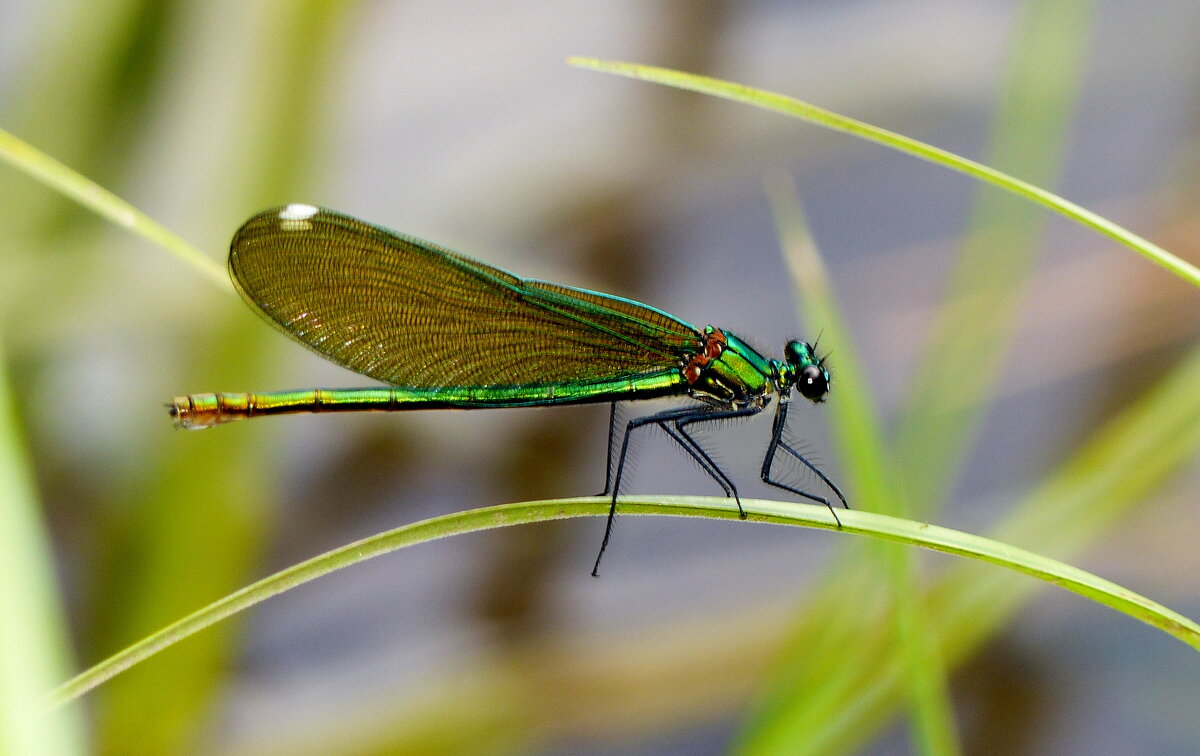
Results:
x,y
413,313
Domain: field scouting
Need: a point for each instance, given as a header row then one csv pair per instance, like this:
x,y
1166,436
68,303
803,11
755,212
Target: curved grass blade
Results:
x,y
1101,483
39,165
813,114
1048,51
758,510
973,329
871,474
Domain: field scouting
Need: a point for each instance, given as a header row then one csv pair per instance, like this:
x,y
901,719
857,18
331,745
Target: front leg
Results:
x,y
775,445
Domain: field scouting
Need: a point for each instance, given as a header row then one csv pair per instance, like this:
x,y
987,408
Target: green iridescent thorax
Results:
x,y
738,375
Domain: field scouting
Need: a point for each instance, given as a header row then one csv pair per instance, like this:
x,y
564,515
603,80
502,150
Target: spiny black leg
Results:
x,y
608,456
672,422
713,469
616,480
696,453
682,415
824,478
776,444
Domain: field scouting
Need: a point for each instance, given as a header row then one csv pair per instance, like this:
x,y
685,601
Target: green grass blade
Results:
x,y
806,112
877,526
805,692
869,473
172,524
33,639
1102,482
973,329
42,167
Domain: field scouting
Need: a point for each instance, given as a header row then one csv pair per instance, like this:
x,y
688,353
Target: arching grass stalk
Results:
x,y
830,120
758,510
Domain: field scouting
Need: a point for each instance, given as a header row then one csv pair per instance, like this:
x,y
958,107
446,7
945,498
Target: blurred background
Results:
x,y
461,123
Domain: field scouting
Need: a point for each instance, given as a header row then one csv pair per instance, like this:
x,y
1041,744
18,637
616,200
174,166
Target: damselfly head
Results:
x,y
805,371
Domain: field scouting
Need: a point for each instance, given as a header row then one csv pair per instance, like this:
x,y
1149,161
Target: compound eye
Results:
x,y
813,383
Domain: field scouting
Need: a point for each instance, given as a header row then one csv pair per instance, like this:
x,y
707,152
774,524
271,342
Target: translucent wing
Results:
x,y
412,313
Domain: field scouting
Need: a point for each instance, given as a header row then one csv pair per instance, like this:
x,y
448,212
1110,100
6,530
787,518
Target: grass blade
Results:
x,y
877,526
1102,482
33,645
806,112
869,471
973,328
25,157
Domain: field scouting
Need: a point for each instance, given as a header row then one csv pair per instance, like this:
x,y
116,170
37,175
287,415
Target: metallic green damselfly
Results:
x,y
448,332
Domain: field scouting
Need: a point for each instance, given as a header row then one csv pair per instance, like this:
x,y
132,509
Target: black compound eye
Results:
x,y
813,382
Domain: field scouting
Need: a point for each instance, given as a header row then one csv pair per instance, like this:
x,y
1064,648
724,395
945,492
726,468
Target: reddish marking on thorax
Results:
x,y
714,344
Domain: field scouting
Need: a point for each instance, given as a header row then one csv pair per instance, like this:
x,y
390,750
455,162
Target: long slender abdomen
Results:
x,y
207,410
